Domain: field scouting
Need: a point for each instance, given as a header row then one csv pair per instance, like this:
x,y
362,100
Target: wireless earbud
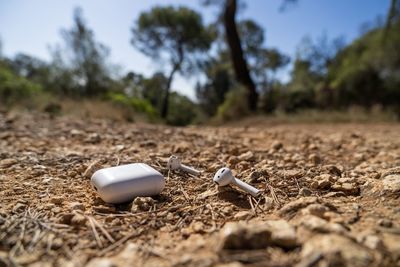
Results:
x,y
125,182
174,163
224,177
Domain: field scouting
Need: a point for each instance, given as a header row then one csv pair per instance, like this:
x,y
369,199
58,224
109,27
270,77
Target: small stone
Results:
x,y
243,215
291,208
395,170
197,227
305,192
373,242
269,203
283,234
248,156
322,182
392,244
227,210
243,165
359,157
391,183
18,190
318,224
142,204
185,232
57,243
170,216
65,218
93,138
292,174
5,163
57,200
276,145
347,188
312,147
385,223
78,220
258,235
75,132
257,176
148,143
232,160
77,206
334,170
315,209
336,250
335,194
181,147
315,159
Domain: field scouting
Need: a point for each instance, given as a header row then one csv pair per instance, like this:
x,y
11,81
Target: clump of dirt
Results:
x,y
330,195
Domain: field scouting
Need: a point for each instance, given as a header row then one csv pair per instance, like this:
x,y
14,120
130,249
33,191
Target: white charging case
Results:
x,y
123,183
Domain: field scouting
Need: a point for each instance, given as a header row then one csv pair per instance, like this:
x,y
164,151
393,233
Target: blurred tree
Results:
x,y
133,84
252,36
319,53
153,90
238,59
14,88
84,58
367,71
33,69
1,49
176,33
274,59
261,60
219,81
393,15
182,110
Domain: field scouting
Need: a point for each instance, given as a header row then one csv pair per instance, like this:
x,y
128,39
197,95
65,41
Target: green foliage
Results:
x,y
153,90
35,70
368,71
13,88
233,107
175,31
252,36
136,104
220,80
271,98
183,111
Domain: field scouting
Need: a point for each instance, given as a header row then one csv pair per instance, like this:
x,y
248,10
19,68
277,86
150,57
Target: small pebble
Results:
x,y
385,223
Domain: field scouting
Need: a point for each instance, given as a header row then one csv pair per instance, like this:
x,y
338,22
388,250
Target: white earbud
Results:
x,y
174,163
224,177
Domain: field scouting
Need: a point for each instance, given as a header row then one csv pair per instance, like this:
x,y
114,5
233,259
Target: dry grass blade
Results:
x,y
90,168
252,206
274,196
95,233
119,243
102,229
184,193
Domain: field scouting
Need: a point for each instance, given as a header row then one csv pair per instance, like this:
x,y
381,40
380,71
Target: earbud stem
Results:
x,y
190,170
246,187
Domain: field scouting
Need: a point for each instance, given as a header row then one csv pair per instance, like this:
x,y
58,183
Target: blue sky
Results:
x,y
31,26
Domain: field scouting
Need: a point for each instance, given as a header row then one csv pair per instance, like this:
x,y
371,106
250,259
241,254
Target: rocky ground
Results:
x,y
330,195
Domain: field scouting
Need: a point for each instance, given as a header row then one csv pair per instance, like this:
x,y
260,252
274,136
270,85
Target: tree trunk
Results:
x,y
164,109
393,13
239,62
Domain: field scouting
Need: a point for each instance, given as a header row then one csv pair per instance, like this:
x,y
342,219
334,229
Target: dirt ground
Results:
x,y
330,195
